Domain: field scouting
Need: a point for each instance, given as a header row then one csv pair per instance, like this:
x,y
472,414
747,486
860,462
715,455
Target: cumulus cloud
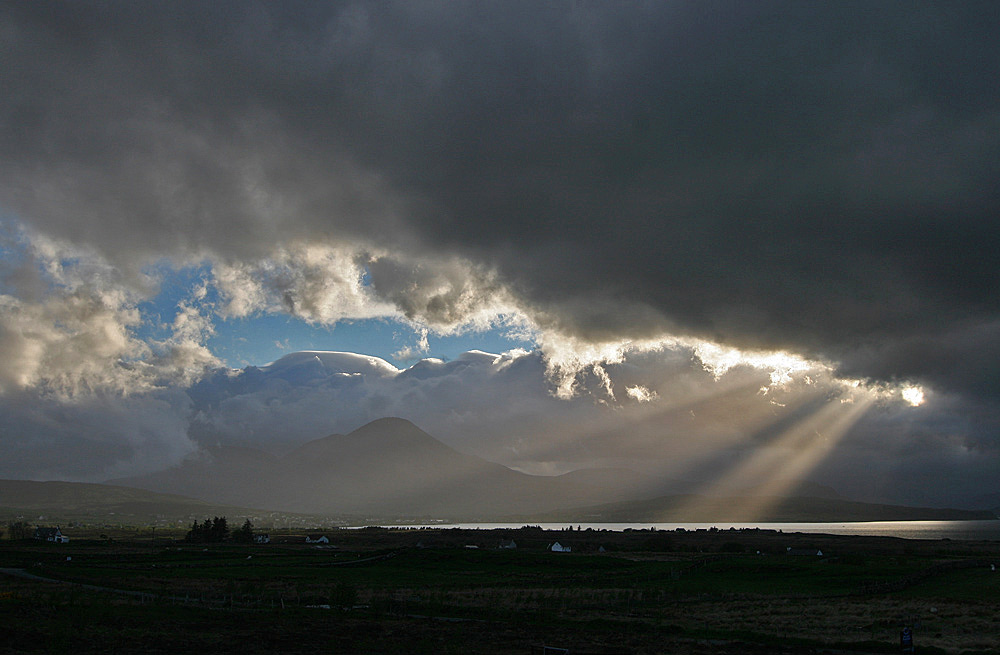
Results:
x,y
447,295
183,357
73,331
65,343
316,282
641,394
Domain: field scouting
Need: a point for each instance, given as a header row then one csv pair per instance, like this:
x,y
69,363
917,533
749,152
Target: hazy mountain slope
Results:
x,y
228,475
694,508
74,500
389,467
392,467
985,501
803,488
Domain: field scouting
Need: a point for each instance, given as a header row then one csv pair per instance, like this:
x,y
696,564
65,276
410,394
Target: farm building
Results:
x,y
559,548
54,535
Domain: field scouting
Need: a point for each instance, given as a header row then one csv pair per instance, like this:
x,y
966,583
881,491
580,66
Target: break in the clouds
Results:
x,y
816,182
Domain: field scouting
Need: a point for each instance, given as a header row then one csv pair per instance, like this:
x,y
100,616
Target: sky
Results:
x,y
738,243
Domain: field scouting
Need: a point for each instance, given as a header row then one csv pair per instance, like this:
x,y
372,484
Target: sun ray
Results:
x,y
804,447
784,461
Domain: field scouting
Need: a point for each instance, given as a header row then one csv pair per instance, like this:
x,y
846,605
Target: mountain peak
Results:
x,y
393,430
387,423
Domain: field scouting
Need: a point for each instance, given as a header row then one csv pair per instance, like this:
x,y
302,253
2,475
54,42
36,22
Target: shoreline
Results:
x,y
964,530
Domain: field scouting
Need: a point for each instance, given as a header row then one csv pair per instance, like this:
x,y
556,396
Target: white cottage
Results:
x,y
559,548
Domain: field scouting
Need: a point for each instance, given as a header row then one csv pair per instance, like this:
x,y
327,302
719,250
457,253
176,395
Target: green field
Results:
x,y
376,590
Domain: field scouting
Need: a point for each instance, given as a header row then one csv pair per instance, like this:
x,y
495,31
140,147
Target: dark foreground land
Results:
x,y
454,591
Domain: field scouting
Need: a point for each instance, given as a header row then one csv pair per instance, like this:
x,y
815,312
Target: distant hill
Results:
x,y
986,501
69,501
229,475
691,508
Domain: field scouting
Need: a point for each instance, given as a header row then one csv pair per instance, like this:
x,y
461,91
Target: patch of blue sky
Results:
x,y
175,287
265,337
262,338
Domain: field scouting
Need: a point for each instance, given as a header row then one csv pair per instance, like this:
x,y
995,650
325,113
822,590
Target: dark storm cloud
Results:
x,y
821,178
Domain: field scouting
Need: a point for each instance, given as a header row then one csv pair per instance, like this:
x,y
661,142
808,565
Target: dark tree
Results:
x,y
245,534
213,530
220,529
195,534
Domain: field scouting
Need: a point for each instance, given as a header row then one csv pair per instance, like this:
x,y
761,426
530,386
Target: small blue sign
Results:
x,y
906,640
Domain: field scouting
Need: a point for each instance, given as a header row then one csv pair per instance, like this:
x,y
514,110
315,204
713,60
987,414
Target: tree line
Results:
x,y
216,530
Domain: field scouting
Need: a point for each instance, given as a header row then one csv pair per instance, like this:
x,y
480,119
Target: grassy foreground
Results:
x,y
455,591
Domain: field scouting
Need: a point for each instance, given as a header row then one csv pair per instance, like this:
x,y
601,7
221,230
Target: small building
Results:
x,y
262,538
318,540
507,545
53,535
559,548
